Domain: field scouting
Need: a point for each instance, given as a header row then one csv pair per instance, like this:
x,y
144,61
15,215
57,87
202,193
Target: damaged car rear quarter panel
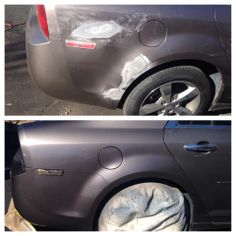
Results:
x,y
124,44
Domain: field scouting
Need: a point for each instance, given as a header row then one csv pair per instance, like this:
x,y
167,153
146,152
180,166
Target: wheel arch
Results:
x,y
204,66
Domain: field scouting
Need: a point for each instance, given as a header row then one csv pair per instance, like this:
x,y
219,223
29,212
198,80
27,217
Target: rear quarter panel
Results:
x,y
101,76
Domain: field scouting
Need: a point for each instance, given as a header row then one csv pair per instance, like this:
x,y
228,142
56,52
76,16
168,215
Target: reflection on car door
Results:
x,y
203,150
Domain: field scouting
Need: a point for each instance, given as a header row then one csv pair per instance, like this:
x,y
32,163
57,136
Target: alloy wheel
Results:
x,y
173,98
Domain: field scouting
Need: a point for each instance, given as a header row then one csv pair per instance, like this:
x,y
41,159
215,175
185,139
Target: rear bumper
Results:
x,y
48,69
47,204
96,76
69,201
72,74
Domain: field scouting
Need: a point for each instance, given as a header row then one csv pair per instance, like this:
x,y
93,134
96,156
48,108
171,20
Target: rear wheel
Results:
x,y
182,90
145,207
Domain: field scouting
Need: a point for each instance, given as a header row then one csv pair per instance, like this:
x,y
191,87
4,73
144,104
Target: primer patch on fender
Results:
x,y
97,29
131,71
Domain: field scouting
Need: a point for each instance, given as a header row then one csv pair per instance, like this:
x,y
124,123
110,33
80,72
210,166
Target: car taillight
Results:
x,y
42,19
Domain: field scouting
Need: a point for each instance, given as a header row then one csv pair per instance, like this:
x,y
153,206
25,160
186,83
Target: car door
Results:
x,y
203,150
223,25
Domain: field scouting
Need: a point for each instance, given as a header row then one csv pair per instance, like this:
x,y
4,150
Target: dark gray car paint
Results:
x,y
127,49
73,200
205,169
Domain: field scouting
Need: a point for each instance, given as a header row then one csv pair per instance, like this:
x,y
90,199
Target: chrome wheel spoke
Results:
x,y
182,111
189,94
174,98
166,92
150,108
165,113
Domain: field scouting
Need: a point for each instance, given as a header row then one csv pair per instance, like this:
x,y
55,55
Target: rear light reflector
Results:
x,y
79,44
42,19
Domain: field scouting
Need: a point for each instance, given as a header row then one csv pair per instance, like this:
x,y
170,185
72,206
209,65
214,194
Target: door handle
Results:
x,y
200,147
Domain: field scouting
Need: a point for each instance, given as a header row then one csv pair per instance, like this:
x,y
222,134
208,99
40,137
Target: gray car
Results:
x,y
124,175
144,59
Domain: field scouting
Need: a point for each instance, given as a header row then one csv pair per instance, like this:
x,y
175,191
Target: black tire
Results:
x,y
189,74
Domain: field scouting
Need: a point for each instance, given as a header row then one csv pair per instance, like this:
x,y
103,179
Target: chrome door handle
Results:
x,y
200,147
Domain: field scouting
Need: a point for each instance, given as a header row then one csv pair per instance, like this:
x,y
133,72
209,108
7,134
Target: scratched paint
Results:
x,y
131,71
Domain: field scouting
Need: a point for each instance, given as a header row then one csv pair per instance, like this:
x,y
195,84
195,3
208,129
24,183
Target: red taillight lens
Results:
x,y
42,19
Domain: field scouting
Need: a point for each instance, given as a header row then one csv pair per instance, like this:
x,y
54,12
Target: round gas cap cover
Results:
x,y
110,157
153,33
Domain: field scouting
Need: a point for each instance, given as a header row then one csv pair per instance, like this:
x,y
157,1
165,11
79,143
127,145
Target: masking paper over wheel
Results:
x,y
145,207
